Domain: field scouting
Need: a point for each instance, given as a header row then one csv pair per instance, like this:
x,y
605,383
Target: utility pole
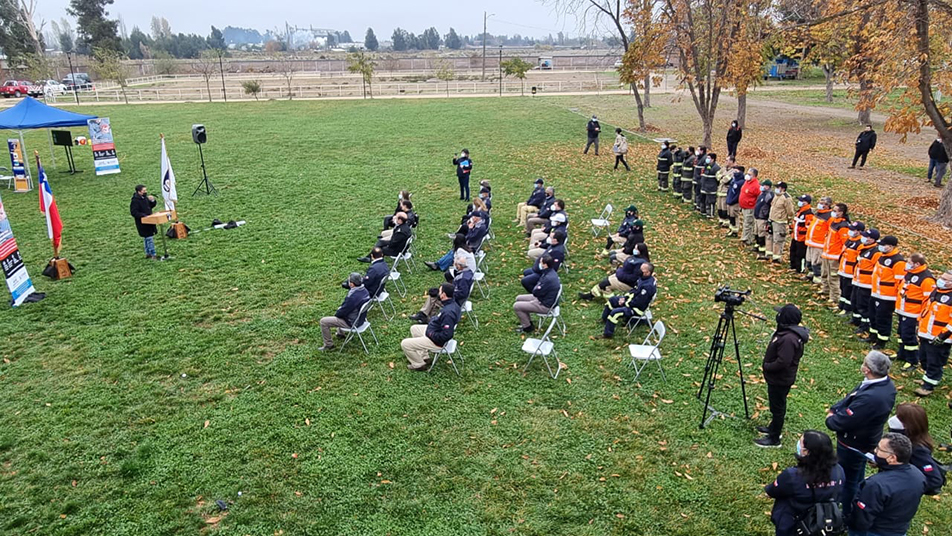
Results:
x,y
72,77
484,45
500,70
221,69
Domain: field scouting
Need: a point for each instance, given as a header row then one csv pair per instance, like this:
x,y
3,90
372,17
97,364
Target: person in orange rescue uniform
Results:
x,y
832,249
934,333
801,221
847,267
915,288
816,238
888,273
863,280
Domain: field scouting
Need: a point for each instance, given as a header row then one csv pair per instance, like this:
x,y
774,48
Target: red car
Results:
x,y
20,88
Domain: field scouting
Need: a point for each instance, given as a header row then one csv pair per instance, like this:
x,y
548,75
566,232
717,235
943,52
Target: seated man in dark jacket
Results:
x,y
388,222
544,212
543,297
632,303
781,361
888,500
433,335
556,249
858,422
557,216
462,280
624,279
538,242
398,240
533,204
624,229
377,273
348,314
406,206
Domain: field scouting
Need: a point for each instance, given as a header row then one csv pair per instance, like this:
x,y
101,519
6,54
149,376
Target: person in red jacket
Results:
x,y
748,198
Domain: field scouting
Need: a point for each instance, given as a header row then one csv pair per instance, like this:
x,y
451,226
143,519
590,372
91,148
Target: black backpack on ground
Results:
x,y
820,519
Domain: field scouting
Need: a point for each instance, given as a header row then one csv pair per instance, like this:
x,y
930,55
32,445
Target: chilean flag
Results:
x,y
54,225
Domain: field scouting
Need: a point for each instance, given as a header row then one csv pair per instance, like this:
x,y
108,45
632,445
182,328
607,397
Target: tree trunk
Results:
x,y
707,121
370,88
124,96
641,109
864,87
828,73
647,93
209,89
742,110
943,213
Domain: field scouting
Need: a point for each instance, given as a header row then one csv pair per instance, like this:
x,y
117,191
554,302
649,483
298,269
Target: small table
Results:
x,y
160,219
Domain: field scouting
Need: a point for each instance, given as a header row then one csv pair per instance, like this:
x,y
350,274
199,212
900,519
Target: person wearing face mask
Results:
x,y
699,166
724,177
888,273
406,206
624,229
816,478
620,149
732,200
865,142
836,237
687,175
915,287
801,222
749,193
734,134
709,185
635,302
540,238
816,238
634,245
558,209
781,212
888,500
858,421
593,129
866,257
665,163
938,162
912,421
401,197
935,329
762,218
624,279
679,155
555,248
533,204
847,267
464,169
781,361
544,213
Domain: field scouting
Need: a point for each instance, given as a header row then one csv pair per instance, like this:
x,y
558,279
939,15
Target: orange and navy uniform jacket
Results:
x,y
866,258
936,315
836,236
848,259
801,221
916,287
887,275
816,231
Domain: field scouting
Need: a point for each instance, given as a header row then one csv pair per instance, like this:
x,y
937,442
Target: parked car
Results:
x,y
20,88
618,64
78,80
52,87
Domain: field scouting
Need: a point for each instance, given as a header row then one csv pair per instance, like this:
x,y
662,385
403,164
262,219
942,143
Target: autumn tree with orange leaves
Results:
x,y
645,54
745,66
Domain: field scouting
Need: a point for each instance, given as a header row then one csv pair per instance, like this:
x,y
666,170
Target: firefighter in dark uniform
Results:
x,y
687,175
699,165
679,157
633,303
709,185
665,162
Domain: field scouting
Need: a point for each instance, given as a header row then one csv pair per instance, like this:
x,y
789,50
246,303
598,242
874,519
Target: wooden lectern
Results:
x,y
160,219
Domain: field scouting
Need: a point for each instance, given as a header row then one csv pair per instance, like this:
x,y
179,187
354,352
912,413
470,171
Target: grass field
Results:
x,y
138,393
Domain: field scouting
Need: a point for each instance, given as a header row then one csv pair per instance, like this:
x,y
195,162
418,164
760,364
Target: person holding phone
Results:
x,y
464,167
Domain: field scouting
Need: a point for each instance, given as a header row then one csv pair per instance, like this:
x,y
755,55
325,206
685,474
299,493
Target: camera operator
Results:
x,y
781,361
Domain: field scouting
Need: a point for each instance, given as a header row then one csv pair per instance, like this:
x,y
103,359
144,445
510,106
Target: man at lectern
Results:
x,y
140,207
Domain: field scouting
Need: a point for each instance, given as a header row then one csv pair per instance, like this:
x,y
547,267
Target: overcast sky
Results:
x,y
525,17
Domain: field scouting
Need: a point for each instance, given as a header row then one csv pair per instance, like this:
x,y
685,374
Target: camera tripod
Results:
x,y
714,359
206,184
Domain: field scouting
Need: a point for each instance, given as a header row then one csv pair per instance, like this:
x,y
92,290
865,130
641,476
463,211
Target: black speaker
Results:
x,y
198,134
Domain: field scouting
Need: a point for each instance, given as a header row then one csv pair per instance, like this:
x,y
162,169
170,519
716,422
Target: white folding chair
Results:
x,y
543,347
7,178
398,283
645,319
359,330
406,256
467,309
646,352
452,353
490,235
479,276
383,297
601,222
555,313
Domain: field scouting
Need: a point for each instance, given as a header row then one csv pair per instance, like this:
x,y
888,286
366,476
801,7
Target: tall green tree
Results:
x,y
14,38
94,29
400,39
452,40
370,40
364,65
64,34
430,39
517,67
216,40
137,45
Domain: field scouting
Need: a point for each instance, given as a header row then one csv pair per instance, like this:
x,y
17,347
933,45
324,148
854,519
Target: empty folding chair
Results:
x,y
398,283
646,352
452,353
6,178
467,309
360,328
601,222
543,347
555,313
490,235
383,297
645,319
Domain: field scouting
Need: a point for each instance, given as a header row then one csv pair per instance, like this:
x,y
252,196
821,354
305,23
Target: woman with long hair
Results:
x,y
911,421
817,477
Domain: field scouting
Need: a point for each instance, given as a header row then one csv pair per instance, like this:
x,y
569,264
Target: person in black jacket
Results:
x,y
781,361
376,274
734,134
633,303
699,164
404,195
545,211
665,163
593,129
709,183
542,299
938,162
464,168
680,155
816,478
888,500
912,421
348,314
762,217
405,206
533,204
624,279
624,229
865,142
462,280
555,249
858,421
398,240
433,335
141,205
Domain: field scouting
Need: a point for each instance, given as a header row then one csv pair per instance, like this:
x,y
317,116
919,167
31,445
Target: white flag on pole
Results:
x,y
168,180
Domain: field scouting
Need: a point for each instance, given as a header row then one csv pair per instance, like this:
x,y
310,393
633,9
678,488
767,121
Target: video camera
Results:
x,y
730,296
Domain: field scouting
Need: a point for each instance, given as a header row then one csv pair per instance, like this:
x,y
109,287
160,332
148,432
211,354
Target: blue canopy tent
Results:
x,y
32,114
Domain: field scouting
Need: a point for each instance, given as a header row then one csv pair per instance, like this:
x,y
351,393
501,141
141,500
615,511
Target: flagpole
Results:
x,y
56,250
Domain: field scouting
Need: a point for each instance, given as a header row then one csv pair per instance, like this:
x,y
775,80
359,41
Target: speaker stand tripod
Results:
x,y
206,185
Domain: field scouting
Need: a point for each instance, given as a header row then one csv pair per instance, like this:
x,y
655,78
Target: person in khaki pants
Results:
x,y
781,212
433,335
544,295
533,204
348,314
